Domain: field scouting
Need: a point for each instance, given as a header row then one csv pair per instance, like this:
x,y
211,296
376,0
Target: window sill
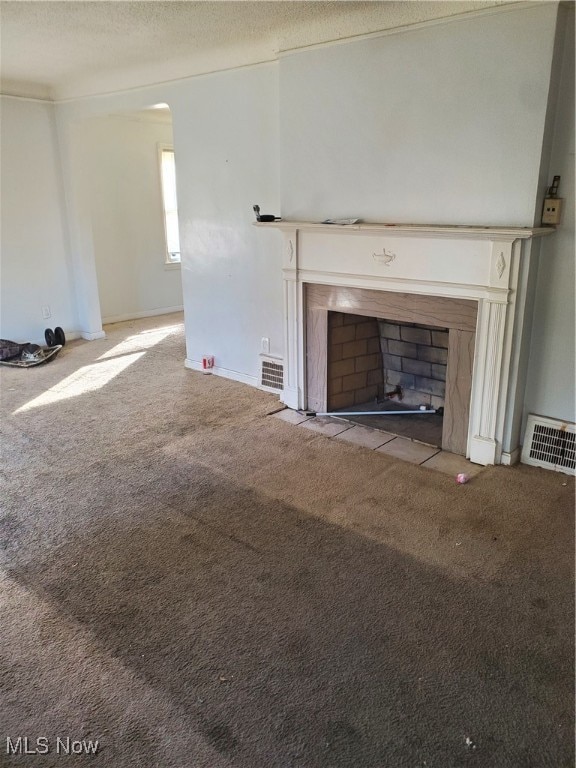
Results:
x,y
169,265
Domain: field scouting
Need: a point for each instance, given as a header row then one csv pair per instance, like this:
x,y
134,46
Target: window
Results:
x,y
170,205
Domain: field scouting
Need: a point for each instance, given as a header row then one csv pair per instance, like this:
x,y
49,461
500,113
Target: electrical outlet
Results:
x,y
552,210
265,345
46,313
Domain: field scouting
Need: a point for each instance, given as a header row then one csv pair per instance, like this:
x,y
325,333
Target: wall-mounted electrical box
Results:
x,y
552,210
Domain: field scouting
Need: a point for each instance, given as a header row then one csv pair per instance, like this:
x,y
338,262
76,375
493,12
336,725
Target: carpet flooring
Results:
x,y
195,584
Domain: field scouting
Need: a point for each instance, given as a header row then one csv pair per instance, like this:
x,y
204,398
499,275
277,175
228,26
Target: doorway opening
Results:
x,y
131,194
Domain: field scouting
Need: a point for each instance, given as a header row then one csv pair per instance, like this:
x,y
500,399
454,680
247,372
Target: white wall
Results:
x,y
35,269
226,138
550,390
440,124
122,173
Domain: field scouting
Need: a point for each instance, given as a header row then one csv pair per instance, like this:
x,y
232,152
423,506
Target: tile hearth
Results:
x,y
382,442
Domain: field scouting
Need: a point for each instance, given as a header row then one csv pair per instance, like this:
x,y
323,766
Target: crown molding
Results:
x,y
20,89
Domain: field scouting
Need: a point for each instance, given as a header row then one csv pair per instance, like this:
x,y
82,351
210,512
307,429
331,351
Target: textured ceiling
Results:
x,y
68,49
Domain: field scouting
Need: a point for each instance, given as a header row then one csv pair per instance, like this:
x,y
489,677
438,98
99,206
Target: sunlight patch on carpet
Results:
x,y
143,340
89,378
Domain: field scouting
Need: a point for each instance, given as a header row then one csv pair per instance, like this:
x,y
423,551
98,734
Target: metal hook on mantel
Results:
x,y
264,216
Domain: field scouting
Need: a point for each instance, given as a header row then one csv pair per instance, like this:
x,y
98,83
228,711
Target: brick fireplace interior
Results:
x,y
356,325
370,357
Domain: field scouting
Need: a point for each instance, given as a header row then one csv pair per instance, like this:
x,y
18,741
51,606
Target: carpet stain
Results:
x,y
12,530
221,737
341,737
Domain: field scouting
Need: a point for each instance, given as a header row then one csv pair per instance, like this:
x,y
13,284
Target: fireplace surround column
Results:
x,y
487,380
292,395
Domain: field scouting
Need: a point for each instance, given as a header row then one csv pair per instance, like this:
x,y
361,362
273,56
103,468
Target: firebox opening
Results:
x,y
383,365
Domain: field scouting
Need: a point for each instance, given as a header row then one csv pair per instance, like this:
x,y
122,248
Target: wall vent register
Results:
x,y
550,444
272,375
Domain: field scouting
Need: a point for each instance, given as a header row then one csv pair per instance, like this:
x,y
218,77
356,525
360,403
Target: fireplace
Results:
x,y
474,284
405,311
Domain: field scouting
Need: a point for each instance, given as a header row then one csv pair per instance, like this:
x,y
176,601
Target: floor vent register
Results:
x,y
550,444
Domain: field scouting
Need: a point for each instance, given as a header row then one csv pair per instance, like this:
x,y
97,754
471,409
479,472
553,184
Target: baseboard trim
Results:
x,y
139,315
509,459
226,373
92,336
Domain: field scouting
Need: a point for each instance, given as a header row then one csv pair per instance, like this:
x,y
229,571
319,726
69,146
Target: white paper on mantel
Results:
x,y
341,221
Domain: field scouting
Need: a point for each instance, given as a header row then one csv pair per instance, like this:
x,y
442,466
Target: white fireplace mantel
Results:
x,y
493,266
429,230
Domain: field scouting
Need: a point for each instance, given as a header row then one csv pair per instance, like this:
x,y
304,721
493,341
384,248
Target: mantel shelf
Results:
x,y
425,230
